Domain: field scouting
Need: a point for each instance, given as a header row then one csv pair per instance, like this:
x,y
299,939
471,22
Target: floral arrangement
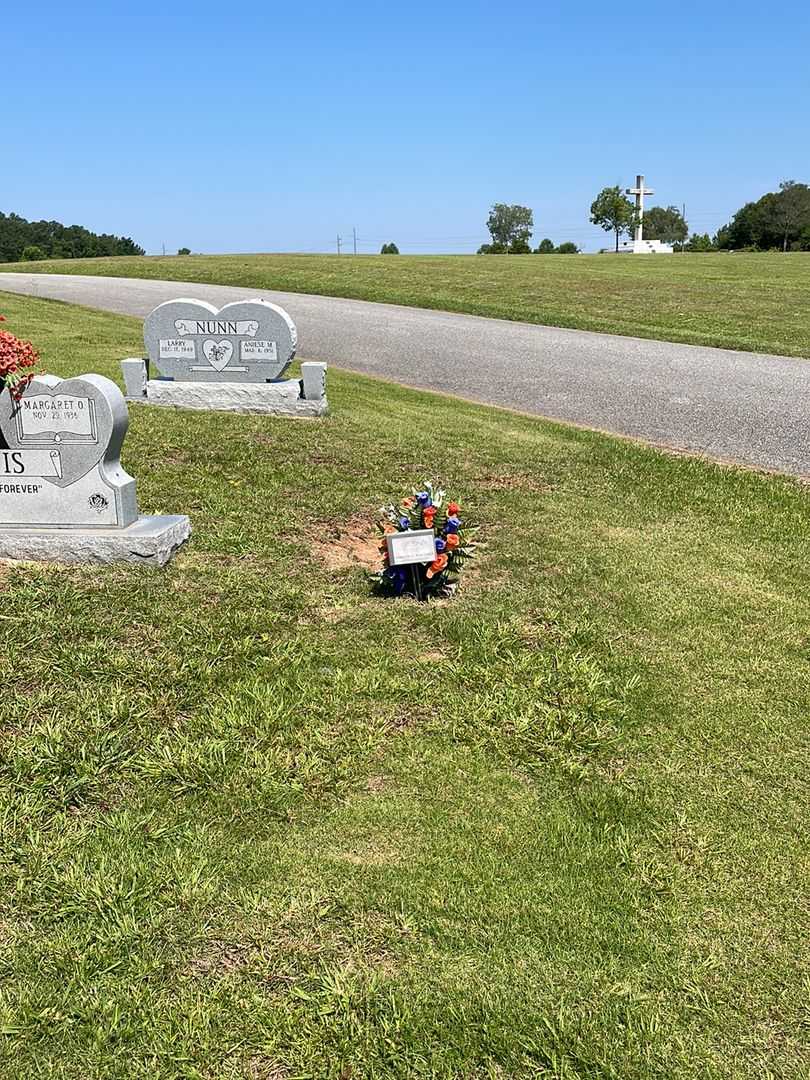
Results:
x,y
16,360
453,541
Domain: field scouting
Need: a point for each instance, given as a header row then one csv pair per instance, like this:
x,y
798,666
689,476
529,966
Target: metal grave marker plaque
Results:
x,y
411,546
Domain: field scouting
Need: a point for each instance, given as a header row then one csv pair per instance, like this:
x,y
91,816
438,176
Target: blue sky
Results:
x,y
276,126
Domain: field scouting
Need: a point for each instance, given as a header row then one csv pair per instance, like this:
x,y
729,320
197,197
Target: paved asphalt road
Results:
x,y
732,406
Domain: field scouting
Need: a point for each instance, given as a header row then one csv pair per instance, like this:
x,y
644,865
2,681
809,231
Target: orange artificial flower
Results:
x,y
437,566
452,509
428,514
451,541
408,503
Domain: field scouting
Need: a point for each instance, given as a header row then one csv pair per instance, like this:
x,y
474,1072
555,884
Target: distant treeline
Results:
x,y
779,220
25,241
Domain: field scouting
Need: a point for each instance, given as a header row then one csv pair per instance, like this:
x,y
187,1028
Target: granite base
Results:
x,y
150,541
305,397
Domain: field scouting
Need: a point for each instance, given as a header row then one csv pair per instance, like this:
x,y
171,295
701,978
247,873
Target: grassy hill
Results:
x,y
753,302
258,823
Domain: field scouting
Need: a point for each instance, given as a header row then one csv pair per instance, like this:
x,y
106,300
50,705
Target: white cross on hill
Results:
x,y
639,191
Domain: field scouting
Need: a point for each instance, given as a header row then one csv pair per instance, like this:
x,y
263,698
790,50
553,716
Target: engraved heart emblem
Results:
x,y
217,353
67,425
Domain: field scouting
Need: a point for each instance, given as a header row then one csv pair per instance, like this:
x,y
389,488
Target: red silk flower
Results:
x,y
437,566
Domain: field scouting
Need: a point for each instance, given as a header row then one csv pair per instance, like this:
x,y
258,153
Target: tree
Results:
x,y
545,247
32,253
665,223
613,212
184,251
55,240
700,242
568,248
389,249
791,210
776,220
510,228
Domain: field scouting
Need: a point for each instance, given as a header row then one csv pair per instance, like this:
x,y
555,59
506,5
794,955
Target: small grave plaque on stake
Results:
x,y
412,546
424,544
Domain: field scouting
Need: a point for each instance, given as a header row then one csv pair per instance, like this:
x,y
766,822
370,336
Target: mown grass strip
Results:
x,y
259,823
753,302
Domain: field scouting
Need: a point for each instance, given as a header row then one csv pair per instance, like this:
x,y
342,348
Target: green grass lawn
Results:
x,y
751,302
258,823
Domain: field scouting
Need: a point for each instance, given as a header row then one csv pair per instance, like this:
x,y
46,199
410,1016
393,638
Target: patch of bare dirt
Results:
x,y
219,958
260,1067
347,545
376,784
510,480
369,855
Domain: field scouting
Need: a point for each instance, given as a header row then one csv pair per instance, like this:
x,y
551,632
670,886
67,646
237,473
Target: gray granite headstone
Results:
x,y
60,456
247,341
64,496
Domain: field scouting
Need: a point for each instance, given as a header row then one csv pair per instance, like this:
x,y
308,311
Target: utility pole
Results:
x,y
338,243
164,249
683,215
354,237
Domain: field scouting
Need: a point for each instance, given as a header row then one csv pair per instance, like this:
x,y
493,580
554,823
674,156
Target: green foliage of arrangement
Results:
x,y
22,240
257,823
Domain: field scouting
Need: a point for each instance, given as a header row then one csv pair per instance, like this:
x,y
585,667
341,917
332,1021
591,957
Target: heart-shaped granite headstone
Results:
x,y
79,422
246,341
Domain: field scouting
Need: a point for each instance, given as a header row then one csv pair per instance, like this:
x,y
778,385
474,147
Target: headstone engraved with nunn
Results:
x,y
228,359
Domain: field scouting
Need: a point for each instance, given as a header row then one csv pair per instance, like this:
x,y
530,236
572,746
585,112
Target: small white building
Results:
x,y
645,247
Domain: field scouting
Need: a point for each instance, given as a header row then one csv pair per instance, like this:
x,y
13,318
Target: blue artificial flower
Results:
x,y
404,523
398,577
452,524
424,499
440,544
